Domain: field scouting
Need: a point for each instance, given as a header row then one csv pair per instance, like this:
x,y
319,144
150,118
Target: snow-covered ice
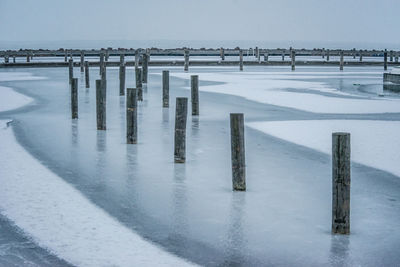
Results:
x,y
373,143
62,220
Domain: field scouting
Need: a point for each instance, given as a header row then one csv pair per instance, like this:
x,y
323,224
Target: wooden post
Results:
x,y
139,85
327,54
180,130
391,55
136,58
222,53
122,79
293,58
341,59
101,63
145,68
266,56
6,59
28,58
241,59
66,56
100,105
385,60
323,53
165,88
186,55
103,75
121,59
87,81
71,70
194,81
107,55
74,98
131,115
341,183
14,58
396,58
361,56
82,61
238,152
283,56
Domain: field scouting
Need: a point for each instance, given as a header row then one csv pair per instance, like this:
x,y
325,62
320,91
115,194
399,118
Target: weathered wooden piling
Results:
x,y
241,59
28,58
82,61
341,60
121,59
107,55
87,81
180,130
186,55
341,183
391,55
145,68
293,59
327,54
266,56
131,115
137,56
165,88
385,55
194,84
15,59
101,63
139,85
70,70
6,59
361,56
74,98
122,69
222,53
283,56
100,105
103,75
238,152
66,56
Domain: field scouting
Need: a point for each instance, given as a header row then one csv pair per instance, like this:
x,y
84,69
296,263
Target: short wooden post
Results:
x,y
222,53
391,55
107,55
361,56
131,115
100,105
6,59
28,58
87,81
327,54
139,85
82,65
238,152
293,58
385,55
241,59
71,70
194,82
74,98
257,53
283,56
341,183
122,69
186,55
341,59
145,68
323,53
66,56
180,130
266,56
165,88
14,58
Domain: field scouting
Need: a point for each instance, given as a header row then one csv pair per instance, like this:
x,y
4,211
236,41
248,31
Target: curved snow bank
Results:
x,y
373,143
61,219
270,88
9,99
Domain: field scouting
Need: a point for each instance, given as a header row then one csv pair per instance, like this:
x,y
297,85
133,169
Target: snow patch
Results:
x,y
9,99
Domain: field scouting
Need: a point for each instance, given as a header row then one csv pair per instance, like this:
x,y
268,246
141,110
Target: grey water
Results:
x,y
283,219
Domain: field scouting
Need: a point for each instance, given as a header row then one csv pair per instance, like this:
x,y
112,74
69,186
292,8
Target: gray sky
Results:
x,y
303,20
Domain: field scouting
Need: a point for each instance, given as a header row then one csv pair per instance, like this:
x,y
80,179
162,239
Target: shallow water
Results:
x,y
189,209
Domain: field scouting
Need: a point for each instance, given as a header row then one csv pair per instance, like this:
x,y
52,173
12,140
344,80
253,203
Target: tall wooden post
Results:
x,y
341,183
145,68
385,55
293,58
82,61
341,59
238,152
194,81
139,85
103,75
131,115
180,130
241,59
186,55
71,70
87,81
165,88
122,69
100,105
74,98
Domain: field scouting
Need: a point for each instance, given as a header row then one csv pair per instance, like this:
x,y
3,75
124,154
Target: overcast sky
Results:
x,y
367,21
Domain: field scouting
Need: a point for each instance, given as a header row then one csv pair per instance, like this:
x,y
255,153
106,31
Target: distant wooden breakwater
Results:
x,y
215,57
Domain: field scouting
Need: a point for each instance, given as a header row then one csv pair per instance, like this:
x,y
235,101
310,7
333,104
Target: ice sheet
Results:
x,y
62,220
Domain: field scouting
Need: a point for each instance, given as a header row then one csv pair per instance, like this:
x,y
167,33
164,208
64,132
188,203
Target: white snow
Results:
x,y
270,88
373,143
58,217
9,98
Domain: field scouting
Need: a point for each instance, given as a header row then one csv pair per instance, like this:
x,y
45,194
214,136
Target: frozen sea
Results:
x,y
189,210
